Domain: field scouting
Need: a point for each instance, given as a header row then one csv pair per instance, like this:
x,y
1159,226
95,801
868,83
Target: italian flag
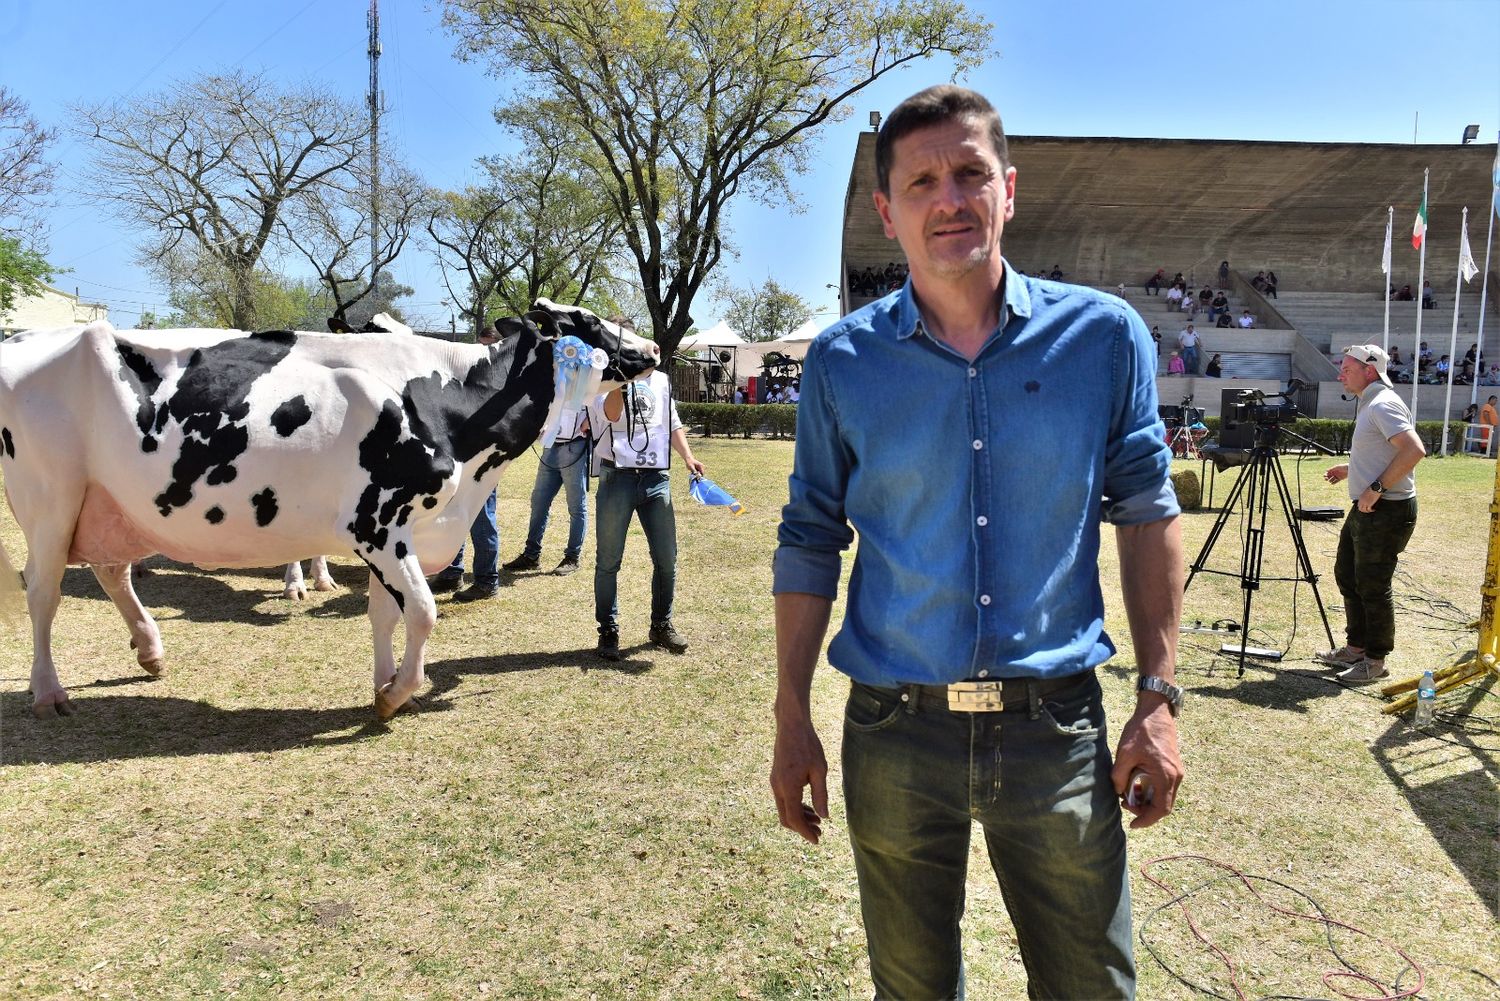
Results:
x,y
1419,228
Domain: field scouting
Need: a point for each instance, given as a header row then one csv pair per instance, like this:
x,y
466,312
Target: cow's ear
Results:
x,y
508,326
373,328
338,326
545,323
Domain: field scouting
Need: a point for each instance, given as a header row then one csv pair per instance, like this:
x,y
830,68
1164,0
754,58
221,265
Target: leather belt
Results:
x,y
992,696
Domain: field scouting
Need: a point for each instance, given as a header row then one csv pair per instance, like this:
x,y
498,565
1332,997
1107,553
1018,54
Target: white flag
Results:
x,y
1385,259
1466,265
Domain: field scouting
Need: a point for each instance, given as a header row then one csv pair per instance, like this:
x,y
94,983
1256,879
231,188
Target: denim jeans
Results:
x,y
486,538
1190,360
916,777
565,464
1364,567
646,493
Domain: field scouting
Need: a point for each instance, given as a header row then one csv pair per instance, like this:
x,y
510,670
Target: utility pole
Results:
x,y
373,20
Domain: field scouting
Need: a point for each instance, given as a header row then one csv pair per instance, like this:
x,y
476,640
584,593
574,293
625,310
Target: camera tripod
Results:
x,y
1262,471
1181,439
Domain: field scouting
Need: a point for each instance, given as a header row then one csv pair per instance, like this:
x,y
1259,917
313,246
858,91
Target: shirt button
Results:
x,y
973,372
978,444
981,521
984,673
984,599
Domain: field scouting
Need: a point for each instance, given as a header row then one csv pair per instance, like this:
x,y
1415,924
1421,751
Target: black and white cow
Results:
x,y
199,444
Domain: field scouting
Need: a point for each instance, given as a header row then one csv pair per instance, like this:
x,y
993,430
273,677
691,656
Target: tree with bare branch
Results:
x,y
686,103
330,226
25,173
212,164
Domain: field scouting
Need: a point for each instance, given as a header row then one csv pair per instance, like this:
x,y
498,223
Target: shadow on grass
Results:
x,y
1458,809
201,596
121,727
1289,689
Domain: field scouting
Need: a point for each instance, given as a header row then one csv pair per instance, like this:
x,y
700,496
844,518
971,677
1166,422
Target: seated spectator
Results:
x,y
1174,297
1396,361
1175,365
1491,376
1219,304
1156,281
1120,290
1190,304
1259,281
794,391
1215,367
1270,285
1428,302
1225,320
1404,295
1424,356
1247,321
1178,281
1057,273
1205,298
1443,368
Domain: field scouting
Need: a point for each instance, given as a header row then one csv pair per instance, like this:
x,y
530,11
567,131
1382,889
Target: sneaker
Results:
x,y
609,644
1364,672
444,582
1339,659
664,635
566,567
522,562
477,592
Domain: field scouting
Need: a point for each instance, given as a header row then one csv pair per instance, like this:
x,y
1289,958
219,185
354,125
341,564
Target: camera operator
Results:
x,y
1383,455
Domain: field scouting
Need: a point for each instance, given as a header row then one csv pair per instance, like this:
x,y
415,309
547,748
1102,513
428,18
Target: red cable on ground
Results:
x,y
1322,919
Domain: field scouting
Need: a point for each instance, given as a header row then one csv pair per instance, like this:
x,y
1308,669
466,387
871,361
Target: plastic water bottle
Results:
x,y
1426,697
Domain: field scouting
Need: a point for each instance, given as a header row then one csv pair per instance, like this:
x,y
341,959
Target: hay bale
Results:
x,y
1189,490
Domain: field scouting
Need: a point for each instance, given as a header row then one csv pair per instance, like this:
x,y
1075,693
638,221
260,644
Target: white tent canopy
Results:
x,y
717,336
793,345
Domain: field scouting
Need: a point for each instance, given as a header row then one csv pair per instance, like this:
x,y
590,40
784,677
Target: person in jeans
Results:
x,y
974,619
1383,457
637,429
564,464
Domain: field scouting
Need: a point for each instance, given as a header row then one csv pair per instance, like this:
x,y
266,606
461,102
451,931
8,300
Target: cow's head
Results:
x,y
629,356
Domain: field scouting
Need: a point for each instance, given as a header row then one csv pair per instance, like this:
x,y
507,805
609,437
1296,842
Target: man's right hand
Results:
x,y
798,762
1337,474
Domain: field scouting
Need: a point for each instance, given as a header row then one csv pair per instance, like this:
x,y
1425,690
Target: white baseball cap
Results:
x,y
1371,354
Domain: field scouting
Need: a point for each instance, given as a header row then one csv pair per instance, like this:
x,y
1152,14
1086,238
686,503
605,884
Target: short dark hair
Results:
x,y
934,106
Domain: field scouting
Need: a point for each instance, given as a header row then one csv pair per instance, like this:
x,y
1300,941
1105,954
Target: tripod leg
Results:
x,y
1213,533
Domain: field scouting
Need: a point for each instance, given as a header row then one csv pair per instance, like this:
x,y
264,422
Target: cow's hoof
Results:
x,y
386,707
295,594
156,666
52,710
325,585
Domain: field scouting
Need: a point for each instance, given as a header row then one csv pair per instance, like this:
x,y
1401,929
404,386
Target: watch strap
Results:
x,y
1170,692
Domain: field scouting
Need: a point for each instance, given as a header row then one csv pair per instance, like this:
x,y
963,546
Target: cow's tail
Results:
x,y
12,607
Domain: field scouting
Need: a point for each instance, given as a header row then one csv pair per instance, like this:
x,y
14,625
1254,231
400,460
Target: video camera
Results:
x,y
1253,406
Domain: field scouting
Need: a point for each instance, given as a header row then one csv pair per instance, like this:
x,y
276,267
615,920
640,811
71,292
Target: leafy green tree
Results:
x,y
22,272
687,103
765,312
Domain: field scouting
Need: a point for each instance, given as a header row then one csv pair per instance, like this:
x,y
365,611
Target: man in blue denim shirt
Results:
x,y
974,428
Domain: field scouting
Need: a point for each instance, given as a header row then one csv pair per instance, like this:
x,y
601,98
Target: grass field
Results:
x,y
555,827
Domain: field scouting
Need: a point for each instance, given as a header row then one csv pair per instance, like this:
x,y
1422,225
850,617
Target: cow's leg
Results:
x,y
45,561
292,585
317,569
406,589
384,614
145,638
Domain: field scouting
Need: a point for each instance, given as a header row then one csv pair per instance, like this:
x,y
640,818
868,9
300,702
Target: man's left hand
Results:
x,y
1367,501
1148,744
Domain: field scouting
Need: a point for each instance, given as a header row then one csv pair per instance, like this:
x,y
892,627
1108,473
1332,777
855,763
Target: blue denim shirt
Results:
x,y
977,489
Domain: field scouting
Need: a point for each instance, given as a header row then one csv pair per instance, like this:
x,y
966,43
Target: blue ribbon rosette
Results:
x,y
577,371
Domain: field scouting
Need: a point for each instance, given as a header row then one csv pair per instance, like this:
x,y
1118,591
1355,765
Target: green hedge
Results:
x,y
776,420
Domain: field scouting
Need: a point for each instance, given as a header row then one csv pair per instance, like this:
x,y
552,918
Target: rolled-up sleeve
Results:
x,y
814,531
1137,460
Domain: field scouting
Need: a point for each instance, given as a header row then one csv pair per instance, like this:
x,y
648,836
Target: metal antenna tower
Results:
x,y
372,19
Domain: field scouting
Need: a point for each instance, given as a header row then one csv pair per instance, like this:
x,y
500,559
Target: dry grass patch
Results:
x,y
553,826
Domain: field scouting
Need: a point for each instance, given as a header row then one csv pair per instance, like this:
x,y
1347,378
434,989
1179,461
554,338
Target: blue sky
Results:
x,y
1326,70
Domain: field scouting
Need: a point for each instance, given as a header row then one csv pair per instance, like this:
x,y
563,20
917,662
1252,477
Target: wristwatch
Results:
x,y
1378,487
1173,694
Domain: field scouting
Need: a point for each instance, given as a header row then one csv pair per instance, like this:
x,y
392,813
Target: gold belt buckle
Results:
x,y
975,697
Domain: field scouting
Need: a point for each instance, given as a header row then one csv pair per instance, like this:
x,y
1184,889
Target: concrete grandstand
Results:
x,y
1111,211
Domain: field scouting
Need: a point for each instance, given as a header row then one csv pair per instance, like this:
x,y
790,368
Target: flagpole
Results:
x,y
1458,290
1484,286
1385,265
1421,279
